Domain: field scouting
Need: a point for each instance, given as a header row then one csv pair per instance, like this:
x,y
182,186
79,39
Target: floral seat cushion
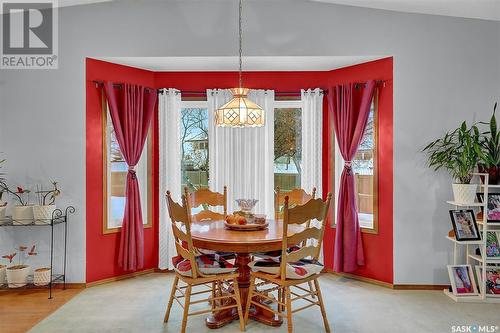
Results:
x,y
209,264
294,270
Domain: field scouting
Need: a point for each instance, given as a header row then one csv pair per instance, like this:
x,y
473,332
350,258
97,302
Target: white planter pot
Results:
x,y
464,193
42,276
43,214
22,215
3,274
3,209
18,277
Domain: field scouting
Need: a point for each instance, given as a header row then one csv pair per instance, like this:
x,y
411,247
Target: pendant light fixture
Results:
x,y
240,111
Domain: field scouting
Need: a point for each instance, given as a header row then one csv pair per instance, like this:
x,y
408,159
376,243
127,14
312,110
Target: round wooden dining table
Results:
x,y
213,235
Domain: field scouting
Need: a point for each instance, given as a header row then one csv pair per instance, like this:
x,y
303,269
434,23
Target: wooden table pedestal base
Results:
x,y
259,314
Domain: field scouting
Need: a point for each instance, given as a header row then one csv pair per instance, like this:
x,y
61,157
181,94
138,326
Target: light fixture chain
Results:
x,y
241,47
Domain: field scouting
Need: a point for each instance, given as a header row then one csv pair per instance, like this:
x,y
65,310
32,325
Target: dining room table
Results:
x,y
214,235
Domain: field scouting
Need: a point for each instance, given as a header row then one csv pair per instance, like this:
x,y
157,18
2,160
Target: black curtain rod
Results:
x,y
277,93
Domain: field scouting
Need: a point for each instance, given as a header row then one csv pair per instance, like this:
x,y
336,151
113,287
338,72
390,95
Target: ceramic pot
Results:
x,y
17,276
464,193
41,276
3,209
3,274
22,215
43,214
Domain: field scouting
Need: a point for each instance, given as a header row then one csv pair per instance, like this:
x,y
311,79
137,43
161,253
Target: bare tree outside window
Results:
x,y
194,148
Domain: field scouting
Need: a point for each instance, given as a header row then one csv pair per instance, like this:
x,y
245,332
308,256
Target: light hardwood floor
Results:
x,y
21,310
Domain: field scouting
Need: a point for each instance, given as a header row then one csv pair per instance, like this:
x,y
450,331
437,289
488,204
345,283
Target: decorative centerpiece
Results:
x,y
244,219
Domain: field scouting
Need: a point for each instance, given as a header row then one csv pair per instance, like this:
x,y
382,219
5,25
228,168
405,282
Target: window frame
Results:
x,y
105,168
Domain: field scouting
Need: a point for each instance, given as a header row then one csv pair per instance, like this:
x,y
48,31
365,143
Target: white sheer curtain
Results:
x,y
169,105
243,158
312,138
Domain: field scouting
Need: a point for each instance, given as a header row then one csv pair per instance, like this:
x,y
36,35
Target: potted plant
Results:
x,y
3,268
489,152
17,275
22,213
457,152
3,205
42,213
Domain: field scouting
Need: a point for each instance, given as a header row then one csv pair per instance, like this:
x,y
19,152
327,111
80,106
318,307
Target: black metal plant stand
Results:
x,y
58,217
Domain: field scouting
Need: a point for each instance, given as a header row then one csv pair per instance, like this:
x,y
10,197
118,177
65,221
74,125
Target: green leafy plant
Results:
x,y
457,152
489,145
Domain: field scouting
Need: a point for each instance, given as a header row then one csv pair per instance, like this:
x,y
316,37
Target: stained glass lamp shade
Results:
x,y
239,111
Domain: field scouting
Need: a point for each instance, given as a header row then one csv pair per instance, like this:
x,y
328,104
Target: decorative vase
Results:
x,y
464,193
22,215
42,276
246,205
3,274
17,276
493,173
43,214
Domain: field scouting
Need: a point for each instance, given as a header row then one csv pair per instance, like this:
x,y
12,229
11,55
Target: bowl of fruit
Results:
x,y
246,221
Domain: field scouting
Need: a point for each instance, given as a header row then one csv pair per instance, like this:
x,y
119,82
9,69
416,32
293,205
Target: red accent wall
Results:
x,y
102,249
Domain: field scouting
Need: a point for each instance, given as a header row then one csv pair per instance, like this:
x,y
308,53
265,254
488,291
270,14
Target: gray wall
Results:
x,y
446,69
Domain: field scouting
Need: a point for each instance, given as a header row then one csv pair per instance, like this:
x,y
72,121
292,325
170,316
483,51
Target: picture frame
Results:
x,y
493,244
464,225
462,280
493,206
493,280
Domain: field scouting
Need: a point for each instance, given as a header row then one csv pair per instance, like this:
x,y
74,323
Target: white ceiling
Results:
x,y
207,64
478,9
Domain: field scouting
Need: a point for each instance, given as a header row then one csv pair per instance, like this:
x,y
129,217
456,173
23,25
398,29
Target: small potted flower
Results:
x,y
3,268
3,205
17,275
22,213
42,212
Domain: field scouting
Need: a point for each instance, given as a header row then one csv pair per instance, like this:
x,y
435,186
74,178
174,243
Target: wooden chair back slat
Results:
x,y
178,233
308,233
313,209
206,197
304,252
297,196
207,215
182,251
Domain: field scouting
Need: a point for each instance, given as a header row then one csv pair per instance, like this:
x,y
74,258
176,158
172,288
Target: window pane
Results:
x,y
194,148
117,179
363,167
287,148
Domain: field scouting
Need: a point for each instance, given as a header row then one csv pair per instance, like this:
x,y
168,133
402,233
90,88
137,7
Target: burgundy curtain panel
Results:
x,y
131,108
350,106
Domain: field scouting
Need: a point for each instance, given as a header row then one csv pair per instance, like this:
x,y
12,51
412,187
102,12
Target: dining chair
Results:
x,y
292,269
198,271
206,198
296,196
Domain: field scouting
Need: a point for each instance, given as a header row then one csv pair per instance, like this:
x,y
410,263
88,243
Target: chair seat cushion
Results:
x,y
209,264
294,270
225,255
275,254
